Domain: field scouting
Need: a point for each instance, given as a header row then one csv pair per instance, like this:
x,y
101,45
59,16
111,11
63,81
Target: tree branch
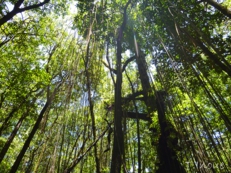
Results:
x,y
127,62
124,66
34,6
17,10
111,69
132,96
18,4
5,41
134,115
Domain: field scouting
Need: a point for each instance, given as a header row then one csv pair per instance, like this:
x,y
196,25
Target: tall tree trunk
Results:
x,y
118,144
166,154
168,158
147,91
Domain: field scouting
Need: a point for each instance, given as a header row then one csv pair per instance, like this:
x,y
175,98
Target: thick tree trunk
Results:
x,y
118,144
16,128
167,155
142,67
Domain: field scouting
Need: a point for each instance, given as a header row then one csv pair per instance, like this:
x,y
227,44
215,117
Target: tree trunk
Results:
x,y
118,144
167,155
11,138
35,128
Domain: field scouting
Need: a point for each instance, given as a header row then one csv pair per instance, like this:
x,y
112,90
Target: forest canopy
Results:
x,y
132,86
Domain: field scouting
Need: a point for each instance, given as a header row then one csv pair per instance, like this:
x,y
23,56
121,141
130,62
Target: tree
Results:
x,y
123,86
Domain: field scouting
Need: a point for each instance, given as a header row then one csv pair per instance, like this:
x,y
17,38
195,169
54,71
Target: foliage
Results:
x,y
63,69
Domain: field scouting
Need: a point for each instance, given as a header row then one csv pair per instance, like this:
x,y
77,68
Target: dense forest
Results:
x,y
98,86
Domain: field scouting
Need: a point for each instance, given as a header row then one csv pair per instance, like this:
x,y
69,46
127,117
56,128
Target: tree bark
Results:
x,y
167,155
134,115
118,144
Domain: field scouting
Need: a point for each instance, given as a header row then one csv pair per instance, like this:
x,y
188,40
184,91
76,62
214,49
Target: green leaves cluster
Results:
x,y
187,48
